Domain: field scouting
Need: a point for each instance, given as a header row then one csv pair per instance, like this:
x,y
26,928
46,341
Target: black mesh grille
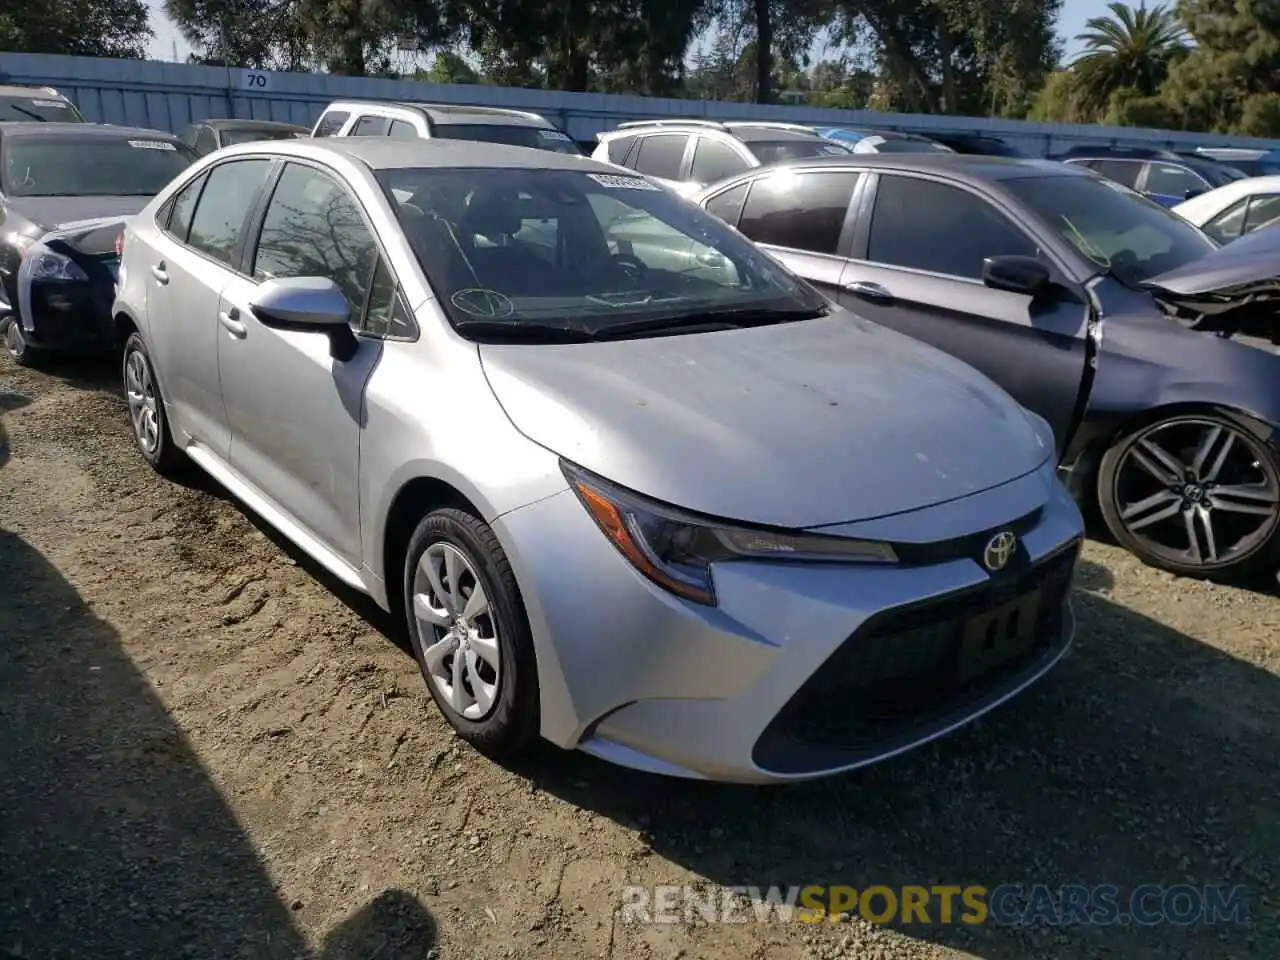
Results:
x,y
899,677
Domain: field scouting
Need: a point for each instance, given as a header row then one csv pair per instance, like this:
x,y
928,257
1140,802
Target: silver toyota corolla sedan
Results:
x,y
629,484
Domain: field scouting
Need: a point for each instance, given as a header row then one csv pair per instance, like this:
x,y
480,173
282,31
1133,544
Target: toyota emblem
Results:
x,y
999,551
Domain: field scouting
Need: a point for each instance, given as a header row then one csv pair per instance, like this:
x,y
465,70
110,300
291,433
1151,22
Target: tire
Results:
x,y
1226,481
502,719
142,394
15,343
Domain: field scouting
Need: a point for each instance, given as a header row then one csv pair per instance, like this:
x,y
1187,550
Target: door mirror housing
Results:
x,y
1016,274
308,305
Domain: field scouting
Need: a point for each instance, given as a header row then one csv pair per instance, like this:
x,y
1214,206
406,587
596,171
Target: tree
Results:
x,y
81,28
1131,49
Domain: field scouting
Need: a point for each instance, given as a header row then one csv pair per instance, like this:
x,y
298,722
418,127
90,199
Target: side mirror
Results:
x,y
308,305
1016,274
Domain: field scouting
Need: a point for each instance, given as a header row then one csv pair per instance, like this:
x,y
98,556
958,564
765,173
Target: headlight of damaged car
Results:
x,y
48,265
675,549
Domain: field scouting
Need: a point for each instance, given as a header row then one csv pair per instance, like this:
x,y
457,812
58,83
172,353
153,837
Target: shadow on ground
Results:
x,y
114,841
1146,758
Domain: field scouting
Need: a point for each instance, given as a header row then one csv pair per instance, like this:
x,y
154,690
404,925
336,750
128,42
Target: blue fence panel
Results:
x,y
167,96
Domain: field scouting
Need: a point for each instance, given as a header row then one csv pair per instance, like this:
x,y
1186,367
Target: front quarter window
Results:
x,y
585,253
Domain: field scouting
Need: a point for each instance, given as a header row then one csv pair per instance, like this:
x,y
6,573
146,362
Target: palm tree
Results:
x,y
1131,48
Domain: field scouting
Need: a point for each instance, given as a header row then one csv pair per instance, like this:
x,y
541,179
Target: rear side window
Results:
x,y
728,204
370,127
182,207
715,160
1171,180
331,123
1121,171
223,208
799,211
403,130
661,155
939,228
1262,210
619,147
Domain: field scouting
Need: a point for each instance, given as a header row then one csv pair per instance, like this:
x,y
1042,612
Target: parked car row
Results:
x,y
737,451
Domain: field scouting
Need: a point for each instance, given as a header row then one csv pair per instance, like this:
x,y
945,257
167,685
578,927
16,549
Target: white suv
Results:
x,y
425,121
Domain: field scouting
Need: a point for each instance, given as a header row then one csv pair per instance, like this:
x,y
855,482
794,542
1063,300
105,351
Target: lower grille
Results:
x,y
909,672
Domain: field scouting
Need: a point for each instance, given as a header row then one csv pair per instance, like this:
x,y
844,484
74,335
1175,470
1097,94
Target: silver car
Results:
x,y
663,504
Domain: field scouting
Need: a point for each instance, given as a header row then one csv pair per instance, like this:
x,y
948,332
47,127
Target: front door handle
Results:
x,y
160,272
869,291
231,320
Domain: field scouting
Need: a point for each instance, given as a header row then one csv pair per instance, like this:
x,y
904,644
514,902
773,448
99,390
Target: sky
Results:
x,y
167,39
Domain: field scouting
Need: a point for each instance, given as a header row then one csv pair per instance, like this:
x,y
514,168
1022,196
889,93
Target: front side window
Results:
x,y
230,191
715,160
936,227
585,253
802,211
313,228
1120,231
661,155
97,166
1171,180
513,135
402,130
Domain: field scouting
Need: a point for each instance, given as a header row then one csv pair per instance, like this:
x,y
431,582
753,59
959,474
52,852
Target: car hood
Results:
x,y
50,212
796,425
1235,288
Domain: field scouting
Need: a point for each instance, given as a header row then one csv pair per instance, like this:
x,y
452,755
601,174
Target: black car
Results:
x,y
65,189
38,104
1149,349
206,136
978,143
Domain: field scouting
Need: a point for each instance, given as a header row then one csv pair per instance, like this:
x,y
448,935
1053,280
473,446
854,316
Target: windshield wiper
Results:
x,y
28,113
731,316
522,331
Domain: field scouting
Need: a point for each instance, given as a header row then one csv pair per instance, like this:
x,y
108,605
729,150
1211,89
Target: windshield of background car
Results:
x,y
1118,229
540,138
580,250
97,166
1221,174
784,151
45,109
231,137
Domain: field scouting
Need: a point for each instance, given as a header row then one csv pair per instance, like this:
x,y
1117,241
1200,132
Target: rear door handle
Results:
x,y
869,291
160,272
231,320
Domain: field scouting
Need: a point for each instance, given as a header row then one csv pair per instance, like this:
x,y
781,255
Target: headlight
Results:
x,y
48,265
676,550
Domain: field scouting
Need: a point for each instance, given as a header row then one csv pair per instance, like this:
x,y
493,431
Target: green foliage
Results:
x,y
84,28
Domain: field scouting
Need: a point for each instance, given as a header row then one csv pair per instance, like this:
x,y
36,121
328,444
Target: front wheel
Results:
x,y
470,633
15,341
1196,494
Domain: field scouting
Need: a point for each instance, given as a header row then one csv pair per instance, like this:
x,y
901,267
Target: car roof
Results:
x,y
386,153
748,131
35,93
974,168
32,128
447,113
230,123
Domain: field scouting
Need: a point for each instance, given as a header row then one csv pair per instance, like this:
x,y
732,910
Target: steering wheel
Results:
x,y
632,267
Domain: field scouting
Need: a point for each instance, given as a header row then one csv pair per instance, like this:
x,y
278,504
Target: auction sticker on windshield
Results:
x,y
151,145
553,135
55,104
615,182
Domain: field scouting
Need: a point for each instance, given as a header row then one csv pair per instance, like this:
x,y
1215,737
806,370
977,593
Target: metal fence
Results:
x,y
168,96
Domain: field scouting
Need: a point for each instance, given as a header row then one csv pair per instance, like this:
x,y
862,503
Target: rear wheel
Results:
x,y
1196,494
146,409
469,632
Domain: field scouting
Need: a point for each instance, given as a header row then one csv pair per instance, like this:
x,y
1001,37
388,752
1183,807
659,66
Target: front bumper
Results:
x,y
67,315
803,670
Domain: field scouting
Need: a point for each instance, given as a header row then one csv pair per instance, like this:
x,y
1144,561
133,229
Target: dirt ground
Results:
x,y
209,750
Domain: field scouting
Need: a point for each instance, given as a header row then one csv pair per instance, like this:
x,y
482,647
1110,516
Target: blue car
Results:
x,y
1166,177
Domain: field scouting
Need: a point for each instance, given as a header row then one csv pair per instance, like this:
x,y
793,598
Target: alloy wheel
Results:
x,y
1197,492
140,392
14,342
457,631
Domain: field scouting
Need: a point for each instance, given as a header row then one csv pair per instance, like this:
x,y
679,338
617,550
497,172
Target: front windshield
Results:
x,y
1118,229
39,109
540,138
582,252
99,166
231,137
784,151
